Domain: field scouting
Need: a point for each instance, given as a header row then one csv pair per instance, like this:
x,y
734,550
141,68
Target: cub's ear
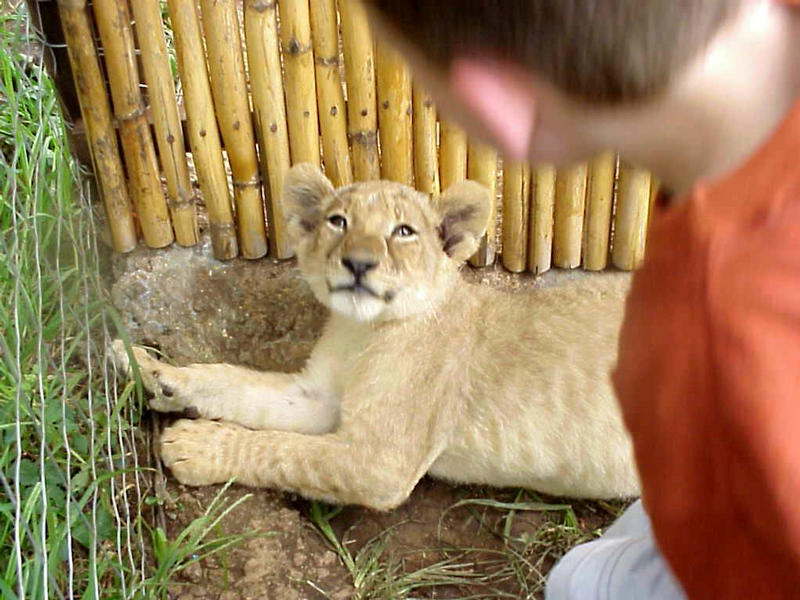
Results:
x,y
464,212
305,193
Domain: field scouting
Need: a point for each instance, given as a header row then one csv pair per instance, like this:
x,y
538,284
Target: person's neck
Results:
x,y
723,106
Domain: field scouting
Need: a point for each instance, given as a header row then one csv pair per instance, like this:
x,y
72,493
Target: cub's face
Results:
x,y
380,250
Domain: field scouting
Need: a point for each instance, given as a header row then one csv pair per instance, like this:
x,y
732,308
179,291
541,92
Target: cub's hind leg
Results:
x,y
257,400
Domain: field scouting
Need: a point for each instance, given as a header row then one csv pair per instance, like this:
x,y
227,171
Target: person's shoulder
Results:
x,y
753,274
760,181
756,213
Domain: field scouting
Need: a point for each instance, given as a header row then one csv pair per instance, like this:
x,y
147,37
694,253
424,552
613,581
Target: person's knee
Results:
x,y
575,576
618,568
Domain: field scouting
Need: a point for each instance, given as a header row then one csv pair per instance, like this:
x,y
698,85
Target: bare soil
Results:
x,y
261,314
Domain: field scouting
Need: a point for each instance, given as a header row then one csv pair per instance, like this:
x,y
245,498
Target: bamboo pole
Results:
x,y
482,167
100,132
226,67
630,217
516,203
543,194
359,70
453,154
114,25
426,160
599,199
568,216
655,188
330,99
301,89
201,127
269,110
167,123
394,116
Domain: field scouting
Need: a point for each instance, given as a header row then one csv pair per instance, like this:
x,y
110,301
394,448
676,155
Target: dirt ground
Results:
x,y
260,314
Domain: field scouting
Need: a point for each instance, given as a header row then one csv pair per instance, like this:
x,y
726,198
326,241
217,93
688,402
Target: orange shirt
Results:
x,y
709,378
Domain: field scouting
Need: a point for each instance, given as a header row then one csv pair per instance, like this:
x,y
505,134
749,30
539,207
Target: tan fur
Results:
x,y
429,375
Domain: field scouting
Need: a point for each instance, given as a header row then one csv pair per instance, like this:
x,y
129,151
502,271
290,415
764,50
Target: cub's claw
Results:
x,y
158,378
198,452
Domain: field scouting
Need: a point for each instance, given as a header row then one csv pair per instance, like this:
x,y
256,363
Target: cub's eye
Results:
x,y
338,222
404,231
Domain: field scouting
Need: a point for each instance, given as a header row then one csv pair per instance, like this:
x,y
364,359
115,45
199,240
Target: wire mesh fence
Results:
x,y
72,482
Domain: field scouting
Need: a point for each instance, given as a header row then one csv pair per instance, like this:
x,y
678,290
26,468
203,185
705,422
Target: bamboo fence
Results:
x,y
113,23
164,107
96,113
267,84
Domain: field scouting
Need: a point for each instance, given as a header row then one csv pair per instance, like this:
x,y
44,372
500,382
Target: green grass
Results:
x,y
516,570
191,545
66,466
73,485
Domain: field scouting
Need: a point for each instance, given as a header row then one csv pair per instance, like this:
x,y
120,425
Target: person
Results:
x,y
706,94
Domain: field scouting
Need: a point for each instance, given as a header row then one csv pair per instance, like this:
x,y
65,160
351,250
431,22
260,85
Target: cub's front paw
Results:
x,y
163,381
200,452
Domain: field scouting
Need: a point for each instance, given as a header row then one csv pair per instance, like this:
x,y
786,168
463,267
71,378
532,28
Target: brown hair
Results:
x,y
602,51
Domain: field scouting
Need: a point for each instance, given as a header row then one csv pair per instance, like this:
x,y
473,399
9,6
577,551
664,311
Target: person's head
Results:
x,y
544,79
596,51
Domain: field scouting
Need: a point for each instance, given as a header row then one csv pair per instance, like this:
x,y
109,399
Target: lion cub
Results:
x,y
416,372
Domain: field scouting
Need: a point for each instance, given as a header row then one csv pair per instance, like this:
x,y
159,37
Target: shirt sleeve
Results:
x,y
754,311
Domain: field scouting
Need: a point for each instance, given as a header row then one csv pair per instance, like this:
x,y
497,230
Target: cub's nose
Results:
x,y
358,267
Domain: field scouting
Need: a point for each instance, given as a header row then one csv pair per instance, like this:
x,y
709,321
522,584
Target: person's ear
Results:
x,y
500,96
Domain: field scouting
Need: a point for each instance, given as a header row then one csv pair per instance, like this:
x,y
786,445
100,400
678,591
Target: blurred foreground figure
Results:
x,y
705,94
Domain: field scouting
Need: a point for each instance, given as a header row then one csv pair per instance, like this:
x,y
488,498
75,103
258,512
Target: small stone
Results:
x,y
193,572
178,591
328,558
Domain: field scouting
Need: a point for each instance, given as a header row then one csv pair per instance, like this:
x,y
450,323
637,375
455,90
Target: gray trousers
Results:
x,y
623,564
